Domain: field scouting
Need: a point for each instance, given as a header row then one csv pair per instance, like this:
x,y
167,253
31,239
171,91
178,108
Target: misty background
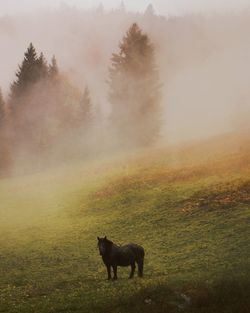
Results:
x,y
202,52
171,7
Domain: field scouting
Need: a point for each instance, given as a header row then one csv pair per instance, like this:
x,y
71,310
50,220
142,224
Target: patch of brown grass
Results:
x,y
223,196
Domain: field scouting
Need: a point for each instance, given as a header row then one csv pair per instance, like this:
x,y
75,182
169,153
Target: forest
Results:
x,y
45,112
67,106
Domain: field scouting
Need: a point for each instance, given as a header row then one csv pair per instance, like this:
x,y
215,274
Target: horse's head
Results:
x,y
104,245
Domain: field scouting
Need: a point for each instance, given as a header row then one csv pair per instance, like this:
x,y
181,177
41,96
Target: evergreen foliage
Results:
x,y
122,7
150,11
135,90
53,68
85,112
42,102
42,67
28,73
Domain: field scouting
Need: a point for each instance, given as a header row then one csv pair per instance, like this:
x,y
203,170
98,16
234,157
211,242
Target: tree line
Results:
x,y
44,109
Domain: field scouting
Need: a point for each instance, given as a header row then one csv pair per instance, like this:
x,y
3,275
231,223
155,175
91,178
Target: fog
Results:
x,y
203,60
172,7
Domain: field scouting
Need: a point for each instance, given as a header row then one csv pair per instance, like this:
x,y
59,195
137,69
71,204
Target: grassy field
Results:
x,y
189,208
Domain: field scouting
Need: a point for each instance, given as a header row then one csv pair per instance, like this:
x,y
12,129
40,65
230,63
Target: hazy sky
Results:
x,y
162,6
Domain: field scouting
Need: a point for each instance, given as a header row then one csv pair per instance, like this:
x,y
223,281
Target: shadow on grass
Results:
x,y
221,297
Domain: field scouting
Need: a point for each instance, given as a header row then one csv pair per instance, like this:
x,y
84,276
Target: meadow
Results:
x,y
188,206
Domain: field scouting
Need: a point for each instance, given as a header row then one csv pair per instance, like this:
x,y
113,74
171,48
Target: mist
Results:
x,y
171,7
203,61
124,123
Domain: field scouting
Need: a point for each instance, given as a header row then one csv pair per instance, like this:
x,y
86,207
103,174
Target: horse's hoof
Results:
x,y
115,278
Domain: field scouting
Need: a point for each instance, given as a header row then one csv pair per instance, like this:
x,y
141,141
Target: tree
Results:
x,y
135,90
122,7
43,69
28,73
150,11
42,105
85,109
25,98
53,68
32,100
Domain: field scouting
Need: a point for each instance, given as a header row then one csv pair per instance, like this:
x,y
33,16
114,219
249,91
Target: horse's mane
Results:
x,y
109,242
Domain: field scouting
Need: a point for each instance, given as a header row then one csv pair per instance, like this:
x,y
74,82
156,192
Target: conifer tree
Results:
x,y
85,112
135,90
28,97
43,69
150,11
53,68
27,74
122,7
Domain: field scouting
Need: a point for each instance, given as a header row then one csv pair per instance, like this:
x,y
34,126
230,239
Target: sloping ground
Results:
x,y
190,210
222,196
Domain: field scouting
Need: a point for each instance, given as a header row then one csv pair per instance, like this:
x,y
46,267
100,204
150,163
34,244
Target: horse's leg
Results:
x,y
132,270
140,267
115,271
109,271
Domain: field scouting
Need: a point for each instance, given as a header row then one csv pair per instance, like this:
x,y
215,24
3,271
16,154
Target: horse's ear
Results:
x,y
105,237
98,238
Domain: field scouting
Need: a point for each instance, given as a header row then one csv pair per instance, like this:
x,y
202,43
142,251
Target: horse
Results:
x,y
127,255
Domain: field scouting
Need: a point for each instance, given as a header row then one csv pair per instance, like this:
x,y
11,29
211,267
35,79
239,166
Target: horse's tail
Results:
x,y
143,252
140,262
138,251
140,254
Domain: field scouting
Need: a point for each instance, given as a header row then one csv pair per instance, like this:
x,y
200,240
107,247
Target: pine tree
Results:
x,y
27,74
43,69
135,90
85,111
150,11
53,68
122,7
29,98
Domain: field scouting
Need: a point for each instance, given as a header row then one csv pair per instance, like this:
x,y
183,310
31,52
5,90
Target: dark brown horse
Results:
x,y
127,255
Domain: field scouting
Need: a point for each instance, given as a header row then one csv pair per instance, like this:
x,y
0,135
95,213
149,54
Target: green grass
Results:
x,y
190,213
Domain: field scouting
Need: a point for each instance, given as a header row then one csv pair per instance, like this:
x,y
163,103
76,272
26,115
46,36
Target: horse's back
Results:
x,y
127,254
137,250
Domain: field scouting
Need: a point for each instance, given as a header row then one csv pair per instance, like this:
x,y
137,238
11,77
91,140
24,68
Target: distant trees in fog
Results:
x,y
135,90
44,110
44,105
150,11
85,112
29,72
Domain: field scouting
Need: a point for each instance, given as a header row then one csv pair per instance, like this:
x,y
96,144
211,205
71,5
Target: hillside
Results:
x,y
188,206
